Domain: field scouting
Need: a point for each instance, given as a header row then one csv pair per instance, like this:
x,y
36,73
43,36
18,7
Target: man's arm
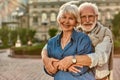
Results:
x,y
48,62
83,60
102,52
100,57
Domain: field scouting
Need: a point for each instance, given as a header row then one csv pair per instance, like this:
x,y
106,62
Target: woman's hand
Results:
x,y
73,68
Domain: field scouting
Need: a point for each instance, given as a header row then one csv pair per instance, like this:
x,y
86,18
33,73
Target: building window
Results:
x,y
53,17
44,19
43,6
108,16
99,17
35,20
34,6
52,6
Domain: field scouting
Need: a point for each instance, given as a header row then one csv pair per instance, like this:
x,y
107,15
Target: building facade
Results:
x,y
42,14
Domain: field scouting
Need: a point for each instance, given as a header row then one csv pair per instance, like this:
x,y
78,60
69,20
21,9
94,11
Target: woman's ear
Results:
x,y
58,21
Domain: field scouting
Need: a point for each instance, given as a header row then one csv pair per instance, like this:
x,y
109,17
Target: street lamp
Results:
x,y
1,43
18,42
18,14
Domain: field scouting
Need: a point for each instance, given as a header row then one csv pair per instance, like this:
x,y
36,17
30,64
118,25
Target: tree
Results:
x,y
52,32
116,26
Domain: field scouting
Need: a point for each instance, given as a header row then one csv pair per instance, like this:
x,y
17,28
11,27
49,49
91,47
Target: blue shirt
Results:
x,y
79,44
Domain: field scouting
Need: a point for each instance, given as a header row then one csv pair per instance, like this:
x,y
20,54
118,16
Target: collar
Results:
x,y
96,28
74,33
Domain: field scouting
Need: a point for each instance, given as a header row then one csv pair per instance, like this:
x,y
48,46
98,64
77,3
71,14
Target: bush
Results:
x,y
117,46
4,36
9,37
26,34
117,43
28,50
52,32
116,26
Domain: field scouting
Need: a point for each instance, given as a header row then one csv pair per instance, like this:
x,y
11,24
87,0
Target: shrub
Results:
x,y
28,50
52,32
8,37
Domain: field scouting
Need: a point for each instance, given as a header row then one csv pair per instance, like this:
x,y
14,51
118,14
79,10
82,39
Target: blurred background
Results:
x,y
38,17
26,25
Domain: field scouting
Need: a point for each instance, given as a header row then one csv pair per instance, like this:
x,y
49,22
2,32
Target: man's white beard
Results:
x,y
90,29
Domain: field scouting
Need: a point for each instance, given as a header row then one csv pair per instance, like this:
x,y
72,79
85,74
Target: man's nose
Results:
x,y
87,19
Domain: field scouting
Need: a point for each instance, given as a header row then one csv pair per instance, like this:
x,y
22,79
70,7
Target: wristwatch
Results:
x,y
74,60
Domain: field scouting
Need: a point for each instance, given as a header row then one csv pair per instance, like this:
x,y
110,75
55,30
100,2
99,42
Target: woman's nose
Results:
x,y
66,20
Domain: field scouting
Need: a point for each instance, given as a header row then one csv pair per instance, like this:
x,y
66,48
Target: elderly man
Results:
x,y
101,37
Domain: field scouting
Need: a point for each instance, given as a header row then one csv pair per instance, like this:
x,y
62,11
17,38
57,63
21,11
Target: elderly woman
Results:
x,y
68,43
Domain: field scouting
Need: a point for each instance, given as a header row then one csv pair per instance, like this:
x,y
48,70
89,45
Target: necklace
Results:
x,y
65,41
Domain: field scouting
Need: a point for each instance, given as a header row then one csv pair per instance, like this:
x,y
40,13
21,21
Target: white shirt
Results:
x,y
101,57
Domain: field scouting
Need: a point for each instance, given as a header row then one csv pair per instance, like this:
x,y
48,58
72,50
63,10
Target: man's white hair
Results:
x,y
88,4
73,2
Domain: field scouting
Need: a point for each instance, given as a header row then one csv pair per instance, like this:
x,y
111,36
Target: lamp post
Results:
x,y
18,14
1,43
9,39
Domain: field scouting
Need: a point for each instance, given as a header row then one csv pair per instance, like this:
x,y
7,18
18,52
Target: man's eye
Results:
x,y
90,16
83,16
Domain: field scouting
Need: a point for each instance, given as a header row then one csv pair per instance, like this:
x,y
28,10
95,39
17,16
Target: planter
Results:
x,y
26,51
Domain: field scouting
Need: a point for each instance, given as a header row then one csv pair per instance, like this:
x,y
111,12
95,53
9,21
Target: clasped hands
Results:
x,y
52,65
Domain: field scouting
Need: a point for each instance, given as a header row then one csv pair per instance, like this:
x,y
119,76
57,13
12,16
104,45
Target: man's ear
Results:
x,y
96,17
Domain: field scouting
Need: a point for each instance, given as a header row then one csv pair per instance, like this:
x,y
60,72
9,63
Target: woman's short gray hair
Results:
x,y
69,8
88,4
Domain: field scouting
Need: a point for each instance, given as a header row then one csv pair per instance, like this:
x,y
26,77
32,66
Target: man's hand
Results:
x,y
48,62
65,63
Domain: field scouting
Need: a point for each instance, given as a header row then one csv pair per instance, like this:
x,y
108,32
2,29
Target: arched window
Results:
x,y
108,16
53,17
35,18
44,17
99,16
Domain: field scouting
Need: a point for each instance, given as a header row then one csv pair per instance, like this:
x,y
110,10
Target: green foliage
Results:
x,y
117,43
116,26
9,37
117,47
28,50
4,36
26,34
52,32
13,36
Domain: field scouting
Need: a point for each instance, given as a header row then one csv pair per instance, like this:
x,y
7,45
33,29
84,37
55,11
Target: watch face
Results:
x,y
74,60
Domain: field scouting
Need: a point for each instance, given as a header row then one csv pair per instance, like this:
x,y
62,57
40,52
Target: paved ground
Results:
x,y
21,69
32,69
116,69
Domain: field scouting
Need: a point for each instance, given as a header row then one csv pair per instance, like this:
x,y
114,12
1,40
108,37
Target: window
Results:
x,y
35,20
53,17
44,17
